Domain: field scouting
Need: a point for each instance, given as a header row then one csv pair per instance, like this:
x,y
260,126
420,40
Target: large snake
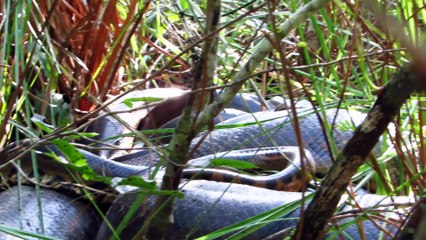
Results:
x,y
64,217
209,206
219,141
272,130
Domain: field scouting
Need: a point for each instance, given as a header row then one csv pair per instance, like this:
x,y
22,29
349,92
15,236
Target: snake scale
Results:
x,y
274,131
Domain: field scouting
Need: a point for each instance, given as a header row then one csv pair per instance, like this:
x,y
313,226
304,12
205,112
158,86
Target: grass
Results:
x,y
341,56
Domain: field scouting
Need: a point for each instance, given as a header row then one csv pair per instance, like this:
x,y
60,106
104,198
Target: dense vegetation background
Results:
x,y
88,51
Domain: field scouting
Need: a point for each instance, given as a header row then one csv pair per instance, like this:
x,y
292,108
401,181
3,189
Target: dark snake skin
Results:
x,y
64,217
284,159
276,129
209,206
242,201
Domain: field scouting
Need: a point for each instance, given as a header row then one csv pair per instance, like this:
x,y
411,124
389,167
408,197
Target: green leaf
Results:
x,y
302,44
38,120
137,181
238,164
23,233
88,134
254,223
175,194
184,4
77,161
129,101
71,152
158,131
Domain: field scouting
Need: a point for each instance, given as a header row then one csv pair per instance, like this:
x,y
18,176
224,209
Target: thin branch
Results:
x,y
162,213
259,54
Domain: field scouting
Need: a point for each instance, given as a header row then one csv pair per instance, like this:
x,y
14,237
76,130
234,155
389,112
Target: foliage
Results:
x,y
89,50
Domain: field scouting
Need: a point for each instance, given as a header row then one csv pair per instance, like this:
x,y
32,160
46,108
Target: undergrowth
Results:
x,y
61,60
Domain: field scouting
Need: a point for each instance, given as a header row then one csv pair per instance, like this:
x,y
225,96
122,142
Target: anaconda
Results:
x,y
272,129
276,131
48,213
209,206
265,135
284,159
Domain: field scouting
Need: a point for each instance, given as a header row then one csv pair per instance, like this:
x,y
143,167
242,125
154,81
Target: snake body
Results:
x,y
203,212
61,216
268,129
284,159
277,133
275,130
209,206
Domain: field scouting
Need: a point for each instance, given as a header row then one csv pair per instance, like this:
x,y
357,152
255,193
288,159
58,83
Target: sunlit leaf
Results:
x,y
238,164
